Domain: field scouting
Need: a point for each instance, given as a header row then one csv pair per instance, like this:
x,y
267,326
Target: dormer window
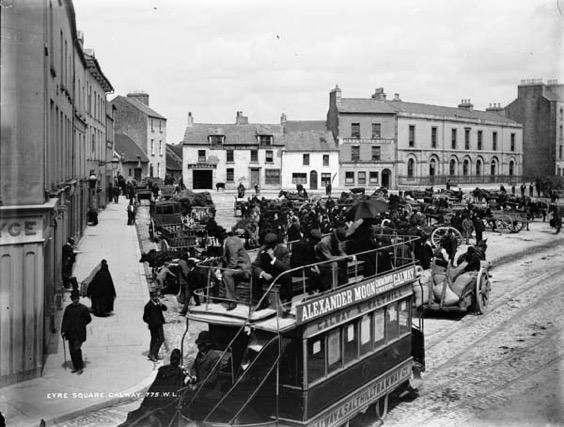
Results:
x,y
265,140
216,139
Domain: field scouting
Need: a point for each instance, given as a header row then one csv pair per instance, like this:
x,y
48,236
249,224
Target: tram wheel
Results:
x,y
381,407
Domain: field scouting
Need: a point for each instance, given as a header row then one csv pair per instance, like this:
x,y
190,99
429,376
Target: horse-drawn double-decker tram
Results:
x,y
319,360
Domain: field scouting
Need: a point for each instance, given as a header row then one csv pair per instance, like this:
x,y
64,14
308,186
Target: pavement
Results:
x,y
115,352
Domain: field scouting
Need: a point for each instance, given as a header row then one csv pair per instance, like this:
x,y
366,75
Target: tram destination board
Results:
x,y
354,294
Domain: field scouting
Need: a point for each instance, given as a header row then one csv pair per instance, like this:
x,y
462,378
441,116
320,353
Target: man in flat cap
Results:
x,y
237,266
331,248
273,259
303,255
73,329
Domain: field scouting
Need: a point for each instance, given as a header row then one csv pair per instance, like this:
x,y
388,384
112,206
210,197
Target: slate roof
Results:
x,y
124,144
352,105
140,106
173,159
242,134
308,136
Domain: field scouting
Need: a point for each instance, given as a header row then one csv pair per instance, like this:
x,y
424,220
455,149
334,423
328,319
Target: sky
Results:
x,y
264,57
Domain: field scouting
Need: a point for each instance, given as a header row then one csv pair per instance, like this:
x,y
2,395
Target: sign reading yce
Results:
x,y
20,230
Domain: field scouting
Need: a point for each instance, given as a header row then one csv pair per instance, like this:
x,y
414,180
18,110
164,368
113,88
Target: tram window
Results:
x,y
334,355
379,324
316,358
365,335
392,324
404,321
350,332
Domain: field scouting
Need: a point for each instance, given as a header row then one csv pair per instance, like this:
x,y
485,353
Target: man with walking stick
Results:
x,y
73,329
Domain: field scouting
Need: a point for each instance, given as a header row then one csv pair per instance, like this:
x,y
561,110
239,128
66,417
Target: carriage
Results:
x,y
446,288
321,359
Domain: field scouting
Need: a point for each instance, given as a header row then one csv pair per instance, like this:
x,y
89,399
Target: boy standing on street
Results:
x,y
73,329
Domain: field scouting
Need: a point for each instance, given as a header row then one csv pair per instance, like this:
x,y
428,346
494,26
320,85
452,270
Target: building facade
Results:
x,y
310,156
45,126
231,154
539,107
398,144
272,156
145,126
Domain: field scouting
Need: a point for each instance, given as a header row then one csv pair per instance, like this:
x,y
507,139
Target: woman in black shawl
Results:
x,y
101,291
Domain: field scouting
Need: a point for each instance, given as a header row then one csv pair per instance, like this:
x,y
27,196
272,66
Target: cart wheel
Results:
x,y
504,225
438,233
482,292
518,226
487,223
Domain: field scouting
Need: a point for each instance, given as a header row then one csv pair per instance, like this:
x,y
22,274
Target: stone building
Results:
x,y
399,144
134,163
243,152
145,126
53,136
539,107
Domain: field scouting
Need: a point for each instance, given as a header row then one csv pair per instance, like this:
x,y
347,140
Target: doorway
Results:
x,y
386,178
313,180
202,179
255,177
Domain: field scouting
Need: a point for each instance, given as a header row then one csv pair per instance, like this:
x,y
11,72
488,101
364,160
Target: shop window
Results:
x,y
272,176
349,178
362,178
373,177
299,178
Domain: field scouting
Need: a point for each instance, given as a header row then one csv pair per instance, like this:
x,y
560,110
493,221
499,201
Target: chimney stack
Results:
x,y
397,97
283,119
466,104
240,119
379,94
140,96
335,95
495,108
190,121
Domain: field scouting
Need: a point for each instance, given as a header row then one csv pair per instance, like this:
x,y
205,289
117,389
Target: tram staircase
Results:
x,y
263,355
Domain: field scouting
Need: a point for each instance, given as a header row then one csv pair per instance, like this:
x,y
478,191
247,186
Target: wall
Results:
x,y
158,135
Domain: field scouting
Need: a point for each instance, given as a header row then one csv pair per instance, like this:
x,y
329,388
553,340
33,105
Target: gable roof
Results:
x,y
129,148
308,136
235,134
375,106
140,106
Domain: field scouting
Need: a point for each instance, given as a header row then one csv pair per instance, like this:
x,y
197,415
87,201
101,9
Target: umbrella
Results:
x,y
367,208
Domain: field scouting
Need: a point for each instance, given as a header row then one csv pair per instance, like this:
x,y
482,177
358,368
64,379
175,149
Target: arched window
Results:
x,y
511,167
493,167
432,167
478,167
465,167
452,167
410,168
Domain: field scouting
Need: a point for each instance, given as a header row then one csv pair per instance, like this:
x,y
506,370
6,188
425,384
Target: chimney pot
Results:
x,y
190,120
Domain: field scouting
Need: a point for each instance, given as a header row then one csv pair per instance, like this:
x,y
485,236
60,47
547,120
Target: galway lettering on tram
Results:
x,y
353,294
364,397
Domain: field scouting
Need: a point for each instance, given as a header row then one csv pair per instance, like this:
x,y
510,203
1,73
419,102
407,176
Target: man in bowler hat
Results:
x,y
153,316
73,329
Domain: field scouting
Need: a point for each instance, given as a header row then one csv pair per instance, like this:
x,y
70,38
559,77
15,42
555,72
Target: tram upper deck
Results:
x,y
392,266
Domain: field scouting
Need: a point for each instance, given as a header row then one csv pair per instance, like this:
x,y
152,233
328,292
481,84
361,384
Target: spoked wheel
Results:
x,y
482,292
518,226
504,224
381,407
439,233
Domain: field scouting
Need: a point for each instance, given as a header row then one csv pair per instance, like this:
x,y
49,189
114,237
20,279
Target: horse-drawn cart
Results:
x,y
508,221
